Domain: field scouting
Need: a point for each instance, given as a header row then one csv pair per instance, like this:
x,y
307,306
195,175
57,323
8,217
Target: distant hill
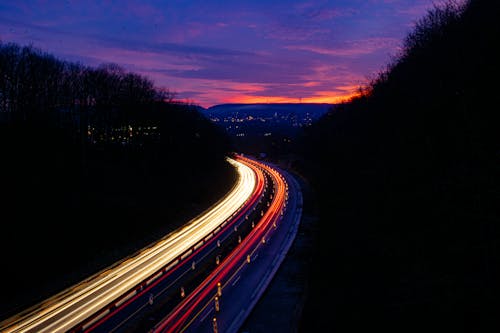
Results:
x,y
269,128
265,128
315,110
260,119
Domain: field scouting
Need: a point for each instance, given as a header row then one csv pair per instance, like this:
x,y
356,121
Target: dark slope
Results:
x,y
408,186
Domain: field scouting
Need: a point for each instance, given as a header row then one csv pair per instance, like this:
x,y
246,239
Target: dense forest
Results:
x,y
407,185
96,163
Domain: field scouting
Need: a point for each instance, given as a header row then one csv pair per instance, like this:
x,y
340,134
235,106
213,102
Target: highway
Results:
x,y
97,296
136,311
224,299
246,285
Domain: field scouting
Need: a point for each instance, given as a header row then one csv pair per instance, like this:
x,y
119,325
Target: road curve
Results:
x,y
72,306
207,292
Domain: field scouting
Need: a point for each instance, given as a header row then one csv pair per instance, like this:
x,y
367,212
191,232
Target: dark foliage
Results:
x,y
408,186
96,163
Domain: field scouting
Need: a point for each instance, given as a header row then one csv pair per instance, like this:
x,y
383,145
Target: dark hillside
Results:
x,y
408,186
95,164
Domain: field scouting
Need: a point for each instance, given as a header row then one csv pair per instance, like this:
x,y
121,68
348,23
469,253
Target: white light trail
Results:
x,y
70,307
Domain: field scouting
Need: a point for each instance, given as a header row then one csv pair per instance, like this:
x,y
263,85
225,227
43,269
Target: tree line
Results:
x,y
407,182
37,87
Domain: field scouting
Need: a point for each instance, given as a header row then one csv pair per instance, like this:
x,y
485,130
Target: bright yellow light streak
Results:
x,y
72,306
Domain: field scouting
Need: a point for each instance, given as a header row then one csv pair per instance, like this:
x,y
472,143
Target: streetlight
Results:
x,y
219,289
217,307
214,323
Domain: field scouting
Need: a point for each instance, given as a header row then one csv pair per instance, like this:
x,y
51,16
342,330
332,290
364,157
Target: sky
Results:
x,y
211,52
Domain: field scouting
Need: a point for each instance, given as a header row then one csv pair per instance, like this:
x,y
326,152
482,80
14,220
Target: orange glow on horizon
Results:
x,y
322,97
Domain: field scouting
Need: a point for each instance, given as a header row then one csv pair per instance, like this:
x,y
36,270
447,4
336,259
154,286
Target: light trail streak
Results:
x,y
74,305
93,322
175,321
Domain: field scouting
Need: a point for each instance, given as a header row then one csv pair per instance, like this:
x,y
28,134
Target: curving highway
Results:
x,y
73,306
206,299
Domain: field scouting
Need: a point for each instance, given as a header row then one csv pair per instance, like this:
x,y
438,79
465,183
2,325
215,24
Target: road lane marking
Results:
x,y
236,280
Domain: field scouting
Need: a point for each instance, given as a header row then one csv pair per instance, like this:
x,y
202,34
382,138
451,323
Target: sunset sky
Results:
x,y
211,52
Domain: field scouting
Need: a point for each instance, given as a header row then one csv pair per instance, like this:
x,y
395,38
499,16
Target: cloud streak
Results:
x,y
351,48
